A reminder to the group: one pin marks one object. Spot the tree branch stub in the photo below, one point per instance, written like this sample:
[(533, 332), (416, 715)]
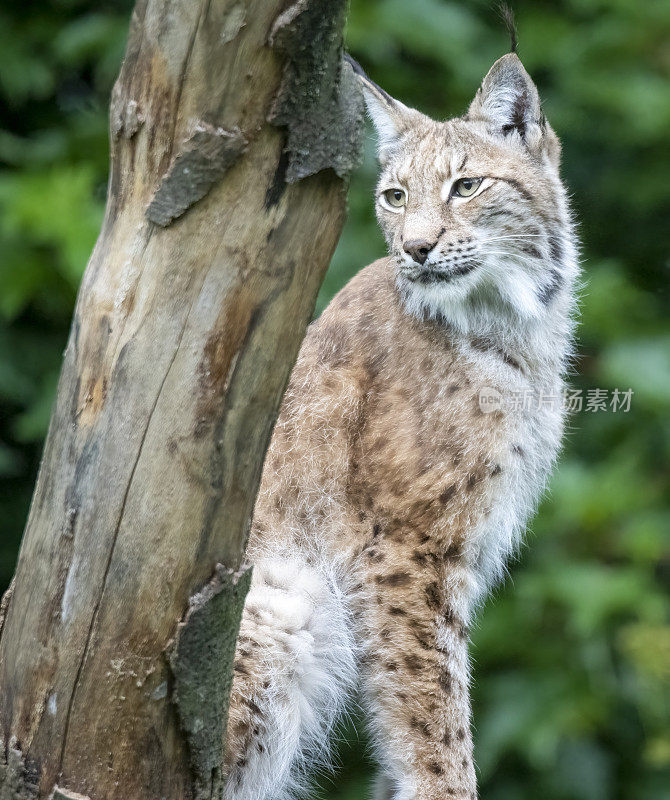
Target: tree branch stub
[(199, 658)]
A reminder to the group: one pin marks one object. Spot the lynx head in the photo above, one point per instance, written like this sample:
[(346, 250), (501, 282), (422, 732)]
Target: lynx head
[(473, 209)]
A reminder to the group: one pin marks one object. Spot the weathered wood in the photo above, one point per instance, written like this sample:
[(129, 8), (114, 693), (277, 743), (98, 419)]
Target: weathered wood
[(189, 318)]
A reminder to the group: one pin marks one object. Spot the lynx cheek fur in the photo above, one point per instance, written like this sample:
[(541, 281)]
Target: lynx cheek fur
[(390, 499)]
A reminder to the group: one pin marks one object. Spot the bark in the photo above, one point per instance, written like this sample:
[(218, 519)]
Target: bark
[(233, 127)]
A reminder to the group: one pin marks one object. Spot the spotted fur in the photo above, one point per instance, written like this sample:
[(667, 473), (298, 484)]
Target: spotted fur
[(390, 500)]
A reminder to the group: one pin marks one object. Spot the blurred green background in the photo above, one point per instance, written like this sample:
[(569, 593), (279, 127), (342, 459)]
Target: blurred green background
[(572, 656)]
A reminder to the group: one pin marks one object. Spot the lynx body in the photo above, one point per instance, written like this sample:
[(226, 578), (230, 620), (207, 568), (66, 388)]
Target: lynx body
[(393, 490)]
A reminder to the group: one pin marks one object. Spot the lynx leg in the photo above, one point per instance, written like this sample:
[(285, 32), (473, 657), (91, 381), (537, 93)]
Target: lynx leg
[(294, 667), (416, 674)]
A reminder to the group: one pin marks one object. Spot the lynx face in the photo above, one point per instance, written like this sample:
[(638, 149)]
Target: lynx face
[(473, 209)]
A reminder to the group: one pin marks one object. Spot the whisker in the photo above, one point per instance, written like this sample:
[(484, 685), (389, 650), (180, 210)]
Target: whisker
[(514, 236), (496, 253)]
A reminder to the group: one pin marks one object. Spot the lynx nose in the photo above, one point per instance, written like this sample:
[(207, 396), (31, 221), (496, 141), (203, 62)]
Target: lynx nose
[(418, 249)]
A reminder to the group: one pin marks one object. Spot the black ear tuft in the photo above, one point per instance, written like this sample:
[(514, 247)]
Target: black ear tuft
[(507, 17)]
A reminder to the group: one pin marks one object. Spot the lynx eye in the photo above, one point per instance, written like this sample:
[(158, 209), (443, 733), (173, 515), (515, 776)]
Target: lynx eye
[(396, 198), (466, 186)]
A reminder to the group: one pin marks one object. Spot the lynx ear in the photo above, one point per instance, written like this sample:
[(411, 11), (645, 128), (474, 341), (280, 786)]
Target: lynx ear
[(508, 100), (390, 117)]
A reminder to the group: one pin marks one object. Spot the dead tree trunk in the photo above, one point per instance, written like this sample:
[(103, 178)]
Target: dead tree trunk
[(233, 127)]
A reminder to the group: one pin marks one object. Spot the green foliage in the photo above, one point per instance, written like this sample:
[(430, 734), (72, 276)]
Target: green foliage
[(572, 655)]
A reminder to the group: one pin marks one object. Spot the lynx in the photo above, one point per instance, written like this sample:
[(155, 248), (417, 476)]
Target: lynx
[(403, 469)]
